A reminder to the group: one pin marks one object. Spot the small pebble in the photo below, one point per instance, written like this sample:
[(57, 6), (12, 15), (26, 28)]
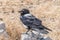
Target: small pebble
[(2, 27)]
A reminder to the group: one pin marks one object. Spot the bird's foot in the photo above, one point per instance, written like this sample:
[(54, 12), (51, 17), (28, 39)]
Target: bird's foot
[(25, 33)]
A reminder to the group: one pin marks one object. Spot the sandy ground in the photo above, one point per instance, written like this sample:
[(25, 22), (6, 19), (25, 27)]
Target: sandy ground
[(46, 10)]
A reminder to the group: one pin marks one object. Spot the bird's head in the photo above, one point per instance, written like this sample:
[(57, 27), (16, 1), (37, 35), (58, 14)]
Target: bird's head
[(24, 11)]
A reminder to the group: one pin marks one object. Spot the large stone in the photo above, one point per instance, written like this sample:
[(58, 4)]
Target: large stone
[(32, 36)]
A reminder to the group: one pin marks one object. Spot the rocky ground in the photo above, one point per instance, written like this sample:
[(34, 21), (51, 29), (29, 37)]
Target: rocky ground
[(46, 10)]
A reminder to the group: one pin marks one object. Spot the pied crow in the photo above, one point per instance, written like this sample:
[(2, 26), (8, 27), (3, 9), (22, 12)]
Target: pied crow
[(30, 21)]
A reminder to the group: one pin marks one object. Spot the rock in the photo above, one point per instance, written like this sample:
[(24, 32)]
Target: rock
[(47, 38), (2, 27), (3, 30), (24, 36), (32, 36)]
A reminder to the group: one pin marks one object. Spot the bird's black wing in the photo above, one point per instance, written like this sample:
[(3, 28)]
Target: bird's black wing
[(38, 24), (31, 21)]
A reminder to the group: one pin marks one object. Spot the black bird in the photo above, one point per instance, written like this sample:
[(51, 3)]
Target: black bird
[(30, 21)]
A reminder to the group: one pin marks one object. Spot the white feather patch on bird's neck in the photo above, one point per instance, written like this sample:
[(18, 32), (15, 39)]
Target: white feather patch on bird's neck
[(27, 15)]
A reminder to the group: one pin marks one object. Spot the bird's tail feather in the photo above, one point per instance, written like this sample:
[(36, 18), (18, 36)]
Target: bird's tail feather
[(47, 29), (43, 27)]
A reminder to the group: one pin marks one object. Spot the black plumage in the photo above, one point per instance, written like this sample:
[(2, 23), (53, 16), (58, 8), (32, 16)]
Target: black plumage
[(30, 21)]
